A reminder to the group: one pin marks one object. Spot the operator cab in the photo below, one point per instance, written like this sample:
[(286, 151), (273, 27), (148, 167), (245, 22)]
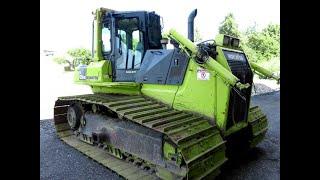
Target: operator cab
[(125, 38)]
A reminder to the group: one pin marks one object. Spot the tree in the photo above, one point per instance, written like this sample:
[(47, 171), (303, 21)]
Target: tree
[(266, 43), (74, 57), (259, 46), (79, 55), (273, 30), (229, 26)]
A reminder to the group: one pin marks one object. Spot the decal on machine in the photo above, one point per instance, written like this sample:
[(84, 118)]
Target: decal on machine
[(131, 72), (203, 74), (82, 72), (81, 77), (92, 77)]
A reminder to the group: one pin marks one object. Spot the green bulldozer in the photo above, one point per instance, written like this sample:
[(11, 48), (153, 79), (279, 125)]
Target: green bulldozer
[(157, 112)]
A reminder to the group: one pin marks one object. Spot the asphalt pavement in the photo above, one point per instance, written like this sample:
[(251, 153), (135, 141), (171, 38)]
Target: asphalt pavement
[(60, 161)]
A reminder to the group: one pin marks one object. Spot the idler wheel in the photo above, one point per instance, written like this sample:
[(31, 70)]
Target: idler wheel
[(74, 115)]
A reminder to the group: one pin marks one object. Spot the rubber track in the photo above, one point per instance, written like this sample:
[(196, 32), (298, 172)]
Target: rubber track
[(188, 131)]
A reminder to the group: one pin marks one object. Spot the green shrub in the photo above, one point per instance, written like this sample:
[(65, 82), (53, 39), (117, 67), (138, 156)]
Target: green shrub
[(60, 59), (80, 55), (75, 57)]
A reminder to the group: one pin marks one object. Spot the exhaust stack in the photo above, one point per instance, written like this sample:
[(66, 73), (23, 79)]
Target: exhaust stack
[(192, 15)]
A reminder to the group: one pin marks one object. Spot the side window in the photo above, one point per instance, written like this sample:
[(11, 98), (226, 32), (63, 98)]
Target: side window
[(138, 49), (121, 40), (106, 38)]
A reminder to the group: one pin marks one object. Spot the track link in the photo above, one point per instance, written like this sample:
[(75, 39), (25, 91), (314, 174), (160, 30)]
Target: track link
[(121, 167), (200, 143), (258, 124)]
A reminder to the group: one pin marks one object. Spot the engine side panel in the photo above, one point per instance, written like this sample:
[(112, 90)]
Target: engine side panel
[(203, 92), (155, 66), (163, 67), (178, 67)]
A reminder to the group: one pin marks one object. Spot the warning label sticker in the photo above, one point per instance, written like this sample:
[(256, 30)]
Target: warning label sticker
[(202, 74)]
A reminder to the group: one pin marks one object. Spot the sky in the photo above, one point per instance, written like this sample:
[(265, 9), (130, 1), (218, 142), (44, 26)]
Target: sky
[(67, 24)]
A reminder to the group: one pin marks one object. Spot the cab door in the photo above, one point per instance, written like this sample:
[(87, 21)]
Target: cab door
[(129, 46)]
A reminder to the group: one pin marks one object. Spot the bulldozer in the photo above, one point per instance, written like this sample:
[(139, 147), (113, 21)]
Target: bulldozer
[(157, 112)]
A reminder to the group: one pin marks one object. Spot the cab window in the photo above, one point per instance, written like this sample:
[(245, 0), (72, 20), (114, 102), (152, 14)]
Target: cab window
[(106, 38), (129, 42)]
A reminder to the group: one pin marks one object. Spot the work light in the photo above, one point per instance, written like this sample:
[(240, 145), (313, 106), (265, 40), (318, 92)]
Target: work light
[(235, 42), (226, 40)]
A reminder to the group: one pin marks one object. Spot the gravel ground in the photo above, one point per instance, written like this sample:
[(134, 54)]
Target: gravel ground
[(59, 161), (262, 86)]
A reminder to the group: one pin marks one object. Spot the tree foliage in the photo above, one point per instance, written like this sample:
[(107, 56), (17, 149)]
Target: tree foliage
[(259, 46), (265, 43), (79, 55), (229, 26), (76, 56)]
